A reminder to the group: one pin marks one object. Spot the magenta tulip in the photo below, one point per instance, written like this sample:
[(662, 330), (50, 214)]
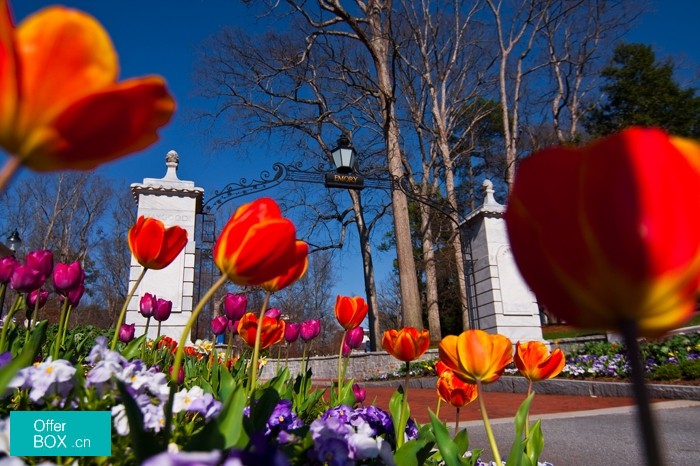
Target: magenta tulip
[(25, 279), (359, 392), (180, 375), (162, 310), (291, 332), (235, 305), (232, 326), (346, 350), (41, 295), (126, 332), (354, 337), (147, 304), (310, 329), (219, 325), (75, 294), (41, 261), (273, 312), (67, 277), (7, 266)]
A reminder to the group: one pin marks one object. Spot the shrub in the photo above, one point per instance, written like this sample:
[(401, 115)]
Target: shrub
[(690, 369), (666, 372)]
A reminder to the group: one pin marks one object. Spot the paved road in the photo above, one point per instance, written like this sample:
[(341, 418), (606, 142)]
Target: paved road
[(607, 436)]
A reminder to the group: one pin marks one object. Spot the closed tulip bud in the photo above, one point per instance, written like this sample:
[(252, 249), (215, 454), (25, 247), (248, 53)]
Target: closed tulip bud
[(257, 244), (310, 329), (41, 295), (273, 312), (535, 362), (232, 326), (40, 260), (75, 295), (67, 277), (219, 324), (350, 312), (354, 337), (359, 392), (291, 333), (7, 266), (153, 245), (180, 375), (25, 279), (162, 310), (235, 305), (346, 350), (126, 332), (407, 344), (148, 304)]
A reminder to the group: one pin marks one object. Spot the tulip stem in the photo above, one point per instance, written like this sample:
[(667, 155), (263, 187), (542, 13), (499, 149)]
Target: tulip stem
[(193, 318), (6, 324), (65, 324), (3, 289), (145, 340), (403, 418), (340, 362), (487, 425), (256, 349), (61, 326), (122, 314), (8, 170), (646, 420), (527, 416), (456, 421)]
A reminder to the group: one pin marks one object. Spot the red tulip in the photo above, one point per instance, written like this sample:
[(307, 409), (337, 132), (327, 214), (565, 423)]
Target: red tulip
[(407, 344), (235, 305), (294, 273), (40, 260), (455, 392), (350, 312), (604, 234), (153, 245), (272, 330), (475, 355), (80, 117), (535, 362), (257, 244)]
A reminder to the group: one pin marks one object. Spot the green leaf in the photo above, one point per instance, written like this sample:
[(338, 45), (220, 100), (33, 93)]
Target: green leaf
[(133, 348), (535, 442), (226, 430), (261, 410), (414, 452), (279, 382), (448, 448), (516, 456), (462, 441), (26, 357)]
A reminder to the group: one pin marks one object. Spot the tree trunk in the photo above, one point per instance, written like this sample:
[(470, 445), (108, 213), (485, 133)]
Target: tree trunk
[(431, 288)]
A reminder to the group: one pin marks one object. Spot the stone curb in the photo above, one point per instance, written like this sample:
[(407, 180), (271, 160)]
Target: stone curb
[(508, 384)]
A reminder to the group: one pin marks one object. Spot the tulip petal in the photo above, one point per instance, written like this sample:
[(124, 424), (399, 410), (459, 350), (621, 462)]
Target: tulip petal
[(148, 240), (8, 75), (70, 47), (101, 127)]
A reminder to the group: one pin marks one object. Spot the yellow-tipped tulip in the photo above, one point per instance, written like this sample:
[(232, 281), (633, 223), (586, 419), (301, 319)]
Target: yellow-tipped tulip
[(475, 355)]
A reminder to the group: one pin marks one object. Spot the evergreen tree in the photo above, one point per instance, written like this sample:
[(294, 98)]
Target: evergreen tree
[(640, 91)]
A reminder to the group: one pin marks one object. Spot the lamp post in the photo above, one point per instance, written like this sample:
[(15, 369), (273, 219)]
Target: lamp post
[(345, 175), (15, 242)]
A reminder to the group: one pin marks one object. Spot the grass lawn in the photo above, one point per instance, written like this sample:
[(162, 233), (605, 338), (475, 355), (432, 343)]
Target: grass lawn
[(554, 332)]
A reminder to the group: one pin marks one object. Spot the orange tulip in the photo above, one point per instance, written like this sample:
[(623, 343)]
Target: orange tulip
[(294, 273), (455, 392), (153, 245), (272, 331), (60, 104), (257, 244), (350, 312), (535, 362), (475, 355), (407, 344), (604, 234)]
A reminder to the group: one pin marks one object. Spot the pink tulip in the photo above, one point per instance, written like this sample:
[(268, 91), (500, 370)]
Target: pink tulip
[(354, 337), (219, 324), (42, 295), (41, 261), (126, 332), (273, 312), (359, 392), (232, 326), (291, 332), (147, 304), (235, 305), (75, 294), (7, 266), (25, 279), (346, 350), (310, 329), (67, 277), (162, 310)]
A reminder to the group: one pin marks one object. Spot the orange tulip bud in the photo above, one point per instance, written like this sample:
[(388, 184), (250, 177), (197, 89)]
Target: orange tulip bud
[(295, 272), (475, 355), (604, 233), (80, 117), (350, 312), (407, 344), (153, 245), (258, 244), (535, 362), (455, 392), (272, 331)]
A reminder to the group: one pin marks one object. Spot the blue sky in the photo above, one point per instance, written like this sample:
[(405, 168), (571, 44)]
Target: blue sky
[(162, 37)]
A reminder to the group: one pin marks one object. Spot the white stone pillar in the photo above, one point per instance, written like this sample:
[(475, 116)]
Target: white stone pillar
[(174, 202), (501, 300)]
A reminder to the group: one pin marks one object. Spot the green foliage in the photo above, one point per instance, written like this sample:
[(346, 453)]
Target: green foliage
[(666, 372), (640, 91), (690, 368)]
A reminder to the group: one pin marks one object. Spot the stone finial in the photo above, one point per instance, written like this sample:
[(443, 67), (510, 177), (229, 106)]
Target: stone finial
[(489, 199), (172, 160)]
